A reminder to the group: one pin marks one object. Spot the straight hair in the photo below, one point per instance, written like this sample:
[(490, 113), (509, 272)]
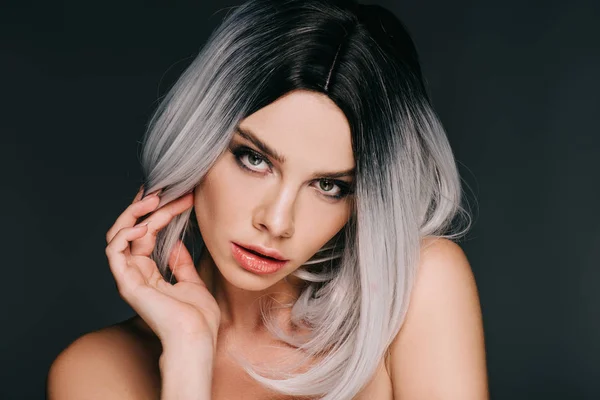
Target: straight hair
[(407, 185)]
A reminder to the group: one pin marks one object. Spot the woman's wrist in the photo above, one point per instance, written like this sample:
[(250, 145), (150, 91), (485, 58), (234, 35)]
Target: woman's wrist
[(186, 373)]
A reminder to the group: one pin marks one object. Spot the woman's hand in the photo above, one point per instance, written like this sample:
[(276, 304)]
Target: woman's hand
[(185, 315)]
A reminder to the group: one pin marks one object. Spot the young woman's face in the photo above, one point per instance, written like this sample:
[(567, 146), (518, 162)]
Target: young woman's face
[(291, 198)]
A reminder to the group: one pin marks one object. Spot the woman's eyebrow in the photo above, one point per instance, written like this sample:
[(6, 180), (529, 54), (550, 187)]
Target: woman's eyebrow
[(265, 148), (250, 136), (334, 175)]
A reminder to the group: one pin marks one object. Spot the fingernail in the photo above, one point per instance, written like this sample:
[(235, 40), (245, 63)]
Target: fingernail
[(152, 195)]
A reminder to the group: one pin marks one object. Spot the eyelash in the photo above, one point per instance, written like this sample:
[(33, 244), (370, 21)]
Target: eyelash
[(241, 151)]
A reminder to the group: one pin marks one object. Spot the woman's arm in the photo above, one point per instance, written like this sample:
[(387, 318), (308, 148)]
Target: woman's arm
[(186, 373), (184, 316), (439, 352)]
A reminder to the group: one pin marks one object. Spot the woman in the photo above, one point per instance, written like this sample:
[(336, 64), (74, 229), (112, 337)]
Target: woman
[(307, 194)]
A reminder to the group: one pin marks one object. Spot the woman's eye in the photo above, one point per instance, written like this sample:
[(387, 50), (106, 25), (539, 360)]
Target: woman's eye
[(250, 160), (332, 189), (326, 185), (254, 160)]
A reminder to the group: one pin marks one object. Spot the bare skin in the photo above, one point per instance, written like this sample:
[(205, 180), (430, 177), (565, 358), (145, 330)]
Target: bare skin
[(252, 198)]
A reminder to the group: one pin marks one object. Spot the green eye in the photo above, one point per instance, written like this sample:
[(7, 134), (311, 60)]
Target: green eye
[(329, 187), (333, 188), (254, 160), (326, 185), (250, 160)]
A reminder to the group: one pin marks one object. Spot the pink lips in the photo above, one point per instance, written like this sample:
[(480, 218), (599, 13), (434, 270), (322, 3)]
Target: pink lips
[(255, 263)]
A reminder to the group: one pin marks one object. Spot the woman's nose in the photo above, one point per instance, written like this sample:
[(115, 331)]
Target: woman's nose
[(276, 213)]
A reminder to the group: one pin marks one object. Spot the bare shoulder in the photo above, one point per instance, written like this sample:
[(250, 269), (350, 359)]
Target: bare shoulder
[(116, 362), (439, 352)]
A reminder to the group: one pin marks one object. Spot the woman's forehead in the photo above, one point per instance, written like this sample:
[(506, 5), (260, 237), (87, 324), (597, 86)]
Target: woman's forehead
[(304, 125)]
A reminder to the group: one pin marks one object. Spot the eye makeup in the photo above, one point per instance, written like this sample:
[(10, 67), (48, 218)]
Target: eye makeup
[(241, 152)]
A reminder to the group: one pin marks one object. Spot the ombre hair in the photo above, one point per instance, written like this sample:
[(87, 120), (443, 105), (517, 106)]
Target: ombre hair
[(407, 186)]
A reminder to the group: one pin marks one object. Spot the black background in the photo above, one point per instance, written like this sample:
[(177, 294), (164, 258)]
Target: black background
[(515, 84)]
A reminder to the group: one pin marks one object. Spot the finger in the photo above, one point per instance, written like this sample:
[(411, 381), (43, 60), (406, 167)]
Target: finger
[(155, 305), (197, 296), (157, 221), (152, 305), (182, 264), (117, 258), (138, 196), (131, 214)]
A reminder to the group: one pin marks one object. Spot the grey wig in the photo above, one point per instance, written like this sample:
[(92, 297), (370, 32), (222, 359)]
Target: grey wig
[(407, 185)]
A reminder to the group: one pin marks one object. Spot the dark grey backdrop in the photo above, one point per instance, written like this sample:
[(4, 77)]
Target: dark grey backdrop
[(515, 83)]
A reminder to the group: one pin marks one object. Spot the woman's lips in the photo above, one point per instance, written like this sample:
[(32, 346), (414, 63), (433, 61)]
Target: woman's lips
[(255, 263)]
